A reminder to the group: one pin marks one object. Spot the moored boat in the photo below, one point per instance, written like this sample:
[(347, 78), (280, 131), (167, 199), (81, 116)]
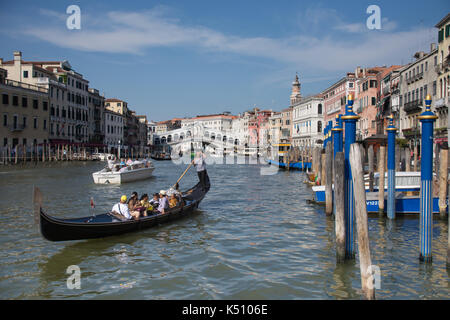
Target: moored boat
[(404, 182), (107, 224), (138, 170)]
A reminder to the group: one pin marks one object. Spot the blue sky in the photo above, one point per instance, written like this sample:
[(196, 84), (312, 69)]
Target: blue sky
[(184, 58)]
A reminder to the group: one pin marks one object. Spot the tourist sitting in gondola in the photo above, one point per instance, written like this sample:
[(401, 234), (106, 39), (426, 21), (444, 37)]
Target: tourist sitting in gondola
[(163, 202), (146, 207), (122, 210), (173, 201), (155, 201)]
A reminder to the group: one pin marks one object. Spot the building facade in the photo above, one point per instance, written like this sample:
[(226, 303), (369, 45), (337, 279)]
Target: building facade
[(416, 81), (443, 80), (308, 122), (25, 113), (335, 97), (114, 123)]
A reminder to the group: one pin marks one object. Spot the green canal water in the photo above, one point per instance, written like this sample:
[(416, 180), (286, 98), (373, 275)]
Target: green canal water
[(254, 237)]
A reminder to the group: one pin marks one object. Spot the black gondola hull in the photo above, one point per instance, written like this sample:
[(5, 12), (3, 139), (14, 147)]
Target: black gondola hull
[(105, 225)]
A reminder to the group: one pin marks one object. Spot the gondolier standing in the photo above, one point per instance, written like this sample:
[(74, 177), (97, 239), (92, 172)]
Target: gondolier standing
[(199, 163)]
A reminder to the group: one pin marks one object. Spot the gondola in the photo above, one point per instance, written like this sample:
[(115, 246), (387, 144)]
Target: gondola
[(107, 224)]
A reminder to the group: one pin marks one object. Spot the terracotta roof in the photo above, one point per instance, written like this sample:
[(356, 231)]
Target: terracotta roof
[(443, 21), (113, 100)]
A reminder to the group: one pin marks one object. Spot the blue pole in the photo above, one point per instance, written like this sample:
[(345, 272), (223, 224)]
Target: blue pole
[(340, 133), (350, 119), (330, 131), (391, 130), (427, 118), (337, 130)]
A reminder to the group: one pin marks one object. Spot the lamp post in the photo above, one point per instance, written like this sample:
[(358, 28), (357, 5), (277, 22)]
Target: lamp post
[(118, 151), (427, 118), (350, 118)]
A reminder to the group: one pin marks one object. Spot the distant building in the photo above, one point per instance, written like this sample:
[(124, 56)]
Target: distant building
[(68, 95), (114, 129), (335, 96), (25, 113), (307, 122)]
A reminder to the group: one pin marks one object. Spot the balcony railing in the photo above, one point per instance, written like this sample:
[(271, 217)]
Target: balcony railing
[(17, 128), (413, 106), (13, 83)]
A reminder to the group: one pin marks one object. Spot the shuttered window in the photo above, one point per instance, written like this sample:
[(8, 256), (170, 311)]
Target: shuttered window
[(441, 35)]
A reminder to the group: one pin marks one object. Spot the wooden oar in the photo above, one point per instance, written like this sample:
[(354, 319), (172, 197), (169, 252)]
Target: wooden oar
[(179, 179)]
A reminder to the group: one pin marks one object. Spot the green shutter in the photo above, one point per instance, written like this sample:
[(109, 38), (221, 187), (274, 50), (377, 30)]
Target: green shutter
[(441, 35), (447, 31)]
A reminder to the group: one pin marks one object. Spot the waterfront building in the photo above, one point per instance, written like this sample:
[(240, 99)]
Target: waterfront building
[(388, 97), (96, 106), (416, 81), (442, 101), (275, 125), (239, 127), (308, 122), (335, 96), (25, 113), (116, 105), (216, 122), (366, 102), (286, 123), (114, 123), (151, 131), (142, 134)]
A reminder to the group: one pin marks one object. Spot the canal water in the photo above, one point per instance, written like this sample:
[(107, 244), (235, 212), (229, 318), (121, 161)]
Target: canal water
[(254, 237)]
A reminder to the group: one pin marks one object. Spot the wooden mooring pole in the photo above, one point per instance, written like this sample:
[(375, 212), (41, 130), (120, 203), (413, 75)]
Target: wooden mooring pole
[(408, 160), (329, 180), (323, 174), (371, 174), (339, 199), (365, 262)]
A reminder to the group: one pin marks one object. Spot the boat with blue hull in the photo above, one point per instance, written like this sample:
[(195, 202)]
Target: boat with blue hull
[(292, 166), (403, 204), (404, 182)]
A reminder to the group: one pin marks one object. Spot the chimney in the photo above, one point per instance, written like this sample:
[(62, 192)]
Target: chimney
[(432, 47), (1, 61), (17, 56)]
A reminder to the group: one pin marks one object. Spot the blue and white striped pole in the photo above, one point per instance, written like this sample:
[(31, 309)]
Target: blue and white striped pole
[(427, 118), (350, 118), (391, 131)]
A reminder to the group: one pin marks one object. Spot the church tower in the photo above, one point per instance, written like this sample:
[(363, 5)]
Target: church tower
[(295, 95)]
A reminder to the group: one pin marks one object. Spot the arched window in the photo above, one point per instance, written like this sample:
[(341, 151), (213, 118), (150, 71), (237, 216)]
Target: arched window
[(319, 108)]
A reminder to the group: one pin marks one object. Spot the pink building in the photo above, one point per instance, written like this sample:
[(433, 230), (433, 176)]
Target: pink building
[(255, 125), (335, 97)]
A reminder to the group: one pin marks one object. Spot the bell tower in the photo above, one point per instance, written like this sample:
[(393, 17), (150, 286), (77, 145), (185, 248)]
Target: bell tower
[(295, 95)]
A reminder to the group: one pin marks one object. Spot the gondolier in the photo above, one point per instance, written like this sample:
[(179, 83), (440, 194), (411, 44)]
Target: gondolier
[(199, 163)]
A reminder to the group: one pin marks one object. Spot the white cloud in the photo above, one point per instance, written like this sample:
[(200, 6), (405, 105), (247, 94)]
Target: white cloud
[(135, 32)]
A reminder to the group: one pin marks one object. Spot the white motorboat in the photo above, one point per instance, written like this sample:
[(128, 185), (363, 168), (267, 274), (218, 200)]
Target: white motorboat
[(137, 170)]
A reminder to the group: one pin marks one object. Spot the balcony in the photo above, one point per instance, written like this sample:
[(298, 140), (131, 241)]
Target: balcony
[(411, 132), (440, 68), (17, 128), (413, 106), (13, 83)]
